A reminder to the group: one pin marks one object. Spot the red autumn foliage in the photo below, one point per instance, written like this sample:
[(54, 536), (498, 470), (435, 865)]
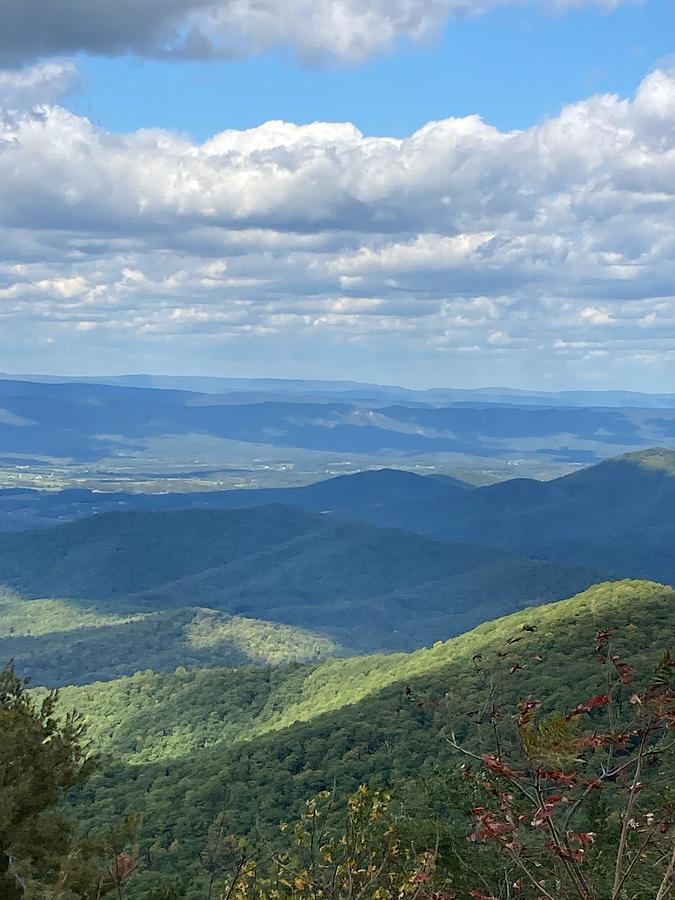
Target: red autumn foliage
[(545, 811), (602, 639), (625, 671), (563, 777), (497, 767), (583, 838), (599, 700)]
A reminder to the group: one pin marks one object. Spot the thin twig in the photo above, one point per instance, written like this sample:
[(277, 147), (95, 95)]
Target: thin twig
[(668, 877)]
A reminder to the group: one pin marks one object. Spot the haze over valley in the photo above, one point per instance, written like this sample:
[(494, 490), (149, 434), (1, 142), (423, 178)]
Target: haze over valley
[(199, 630)]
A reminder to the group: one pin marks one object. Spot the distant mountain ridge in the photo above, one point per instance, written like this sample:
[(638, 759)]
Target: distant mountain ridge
[(327, 388), (84, 421), (619, 513), (372, 496)]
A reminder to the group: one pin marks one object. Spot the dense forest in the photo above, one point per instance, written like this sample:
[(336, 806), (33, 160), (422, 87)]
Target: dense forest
[(245, 749), (364, 587), (60, 642), (222, 729)]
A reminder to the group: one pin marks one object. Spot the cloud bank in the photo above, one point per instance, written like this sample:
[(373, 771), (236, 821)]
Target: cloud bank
[(316, 30), (458, 242)]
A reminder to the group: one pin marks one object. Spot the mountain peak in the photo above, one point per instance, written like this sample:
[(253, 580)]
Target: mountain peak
[(660, 459)]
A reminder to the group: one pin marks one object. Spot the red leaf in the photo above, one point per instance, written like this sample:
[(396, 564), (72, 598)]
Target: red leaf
[(497, 767), (564, 778), (593, 783), (584, 838), (564, 852), (625, 671), (602, 640), (599, 700), (525, 710), (545, 812)]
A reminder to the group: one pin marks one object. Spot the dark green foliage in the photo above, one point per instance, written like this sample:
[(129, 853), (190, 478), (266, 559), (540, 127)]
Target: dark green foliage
[(41, 757), (617, 516), (378, 720), (366, 587)]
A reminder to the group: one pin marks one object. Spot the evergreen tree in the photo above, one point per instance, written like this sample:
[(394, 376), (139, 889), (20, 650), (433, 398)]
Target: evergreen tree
[(41, 757)]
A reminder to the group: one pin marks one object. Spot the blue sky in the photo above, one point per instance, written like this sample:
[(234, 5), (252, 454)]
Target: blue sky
[(386, 190), (512, 67)]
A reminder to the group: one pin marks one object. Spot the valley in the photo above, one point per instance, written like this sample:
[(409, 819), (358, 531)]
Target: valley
[(337, 450), (234, 652), (148, 435)]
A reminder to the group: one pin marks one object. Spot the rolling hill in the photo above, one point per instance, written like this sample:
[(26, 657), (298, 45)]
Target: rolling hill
[(617, 516), (136, 581), (364, 587), (185, 746), (56, 642), (619, 513), (221, 706), (374, 496)]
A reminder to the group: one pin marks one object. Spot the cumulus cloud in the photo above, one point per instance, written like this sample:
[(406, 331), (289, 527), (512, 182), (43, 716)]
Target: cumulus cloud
[(206, 29), (35, 85), (553, 242)]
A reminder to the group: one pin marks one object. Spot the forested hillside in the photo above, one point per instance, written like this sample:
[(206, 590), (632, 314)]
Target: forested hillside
[(57, 642), (620, 514), (120, 592), (375, 496), (217, 645), (364, 587), (187, 746), (615, 518)]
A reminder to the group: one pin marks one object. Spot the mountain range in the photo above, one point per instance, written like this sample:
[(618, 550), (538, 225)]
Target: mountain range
[(357, 585), (381, 560), (90, 422), (616, 517), (355, 390), (234, 652)]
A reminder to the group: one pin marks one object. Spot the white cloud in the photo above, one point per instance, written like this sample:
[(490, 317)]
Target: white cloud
[(595, 316), (44, 83), (206, 29), (499, 338), (456, 238)]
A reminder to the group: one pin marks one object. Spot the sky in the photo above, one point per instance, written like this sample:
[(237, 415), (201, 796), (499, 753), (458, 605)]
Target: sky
[(424, 192)]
